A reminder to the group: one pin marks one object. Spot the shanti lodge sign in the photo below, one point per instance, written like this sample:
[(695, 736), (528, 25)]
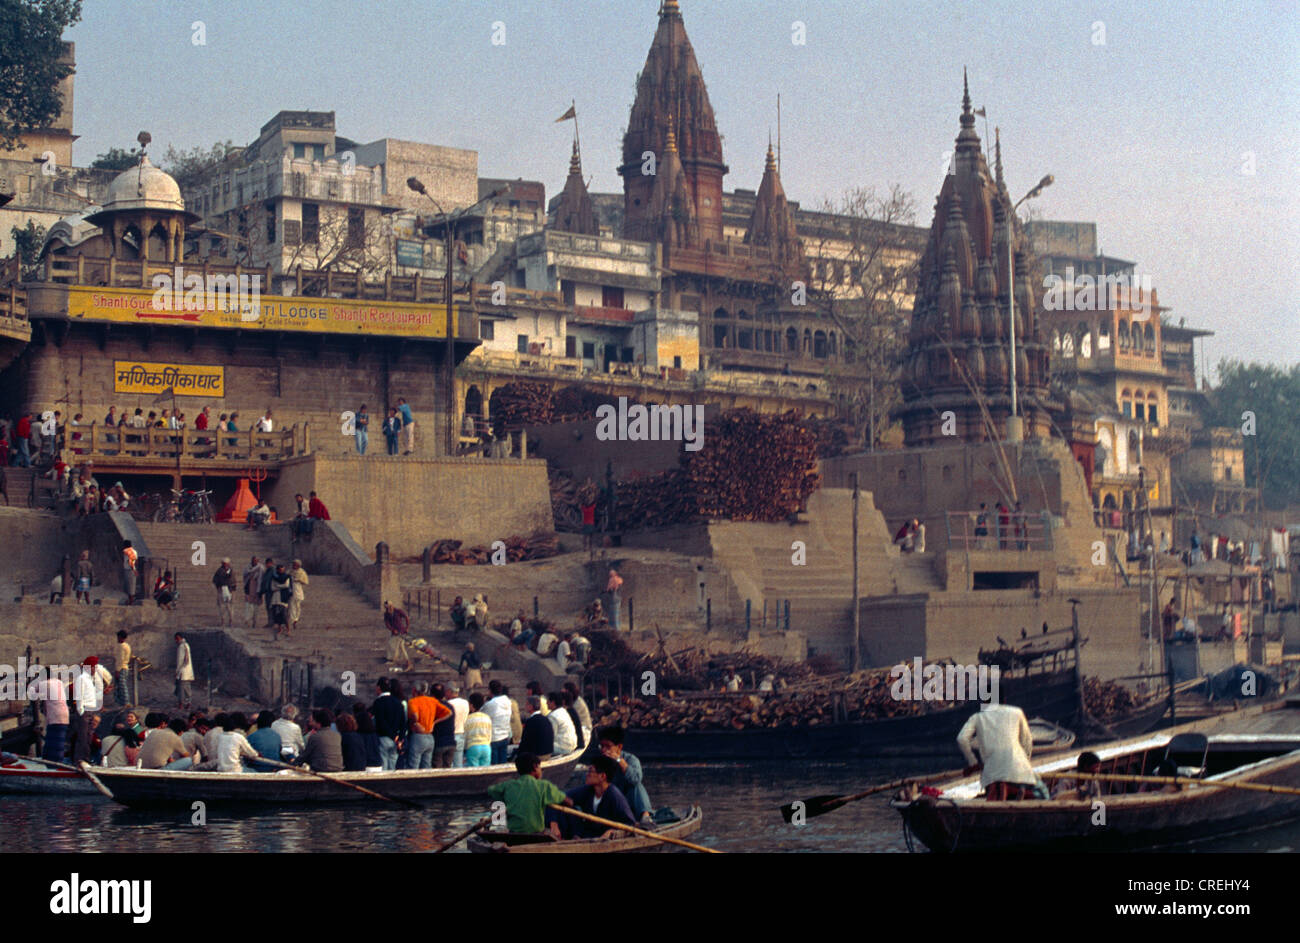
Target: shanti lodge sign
[(187, 379)]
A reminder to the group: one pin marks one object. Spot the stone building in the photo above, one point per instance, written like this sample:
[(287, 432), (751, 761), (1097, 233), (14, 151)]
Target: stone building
[(958, 371)]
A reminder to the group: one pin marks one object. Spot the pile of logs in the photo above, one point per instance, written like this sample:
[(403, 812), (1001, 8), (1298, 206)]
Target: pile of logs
[(832, 437), (517, 404), (1105, 699), (654, 500), (537, 547), (753, 467)]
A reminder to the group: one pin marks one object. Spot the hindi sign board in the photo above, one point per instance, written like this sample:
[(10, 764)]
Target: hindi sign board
[(187, 379), (271, 313)]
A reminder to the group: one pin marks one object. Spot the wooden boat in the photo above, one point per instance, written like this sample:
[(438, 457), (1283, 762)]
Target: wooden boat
[(489, 843), (26, 776), (1052, 696), (959, 819), (1049, 737), (151, 788)]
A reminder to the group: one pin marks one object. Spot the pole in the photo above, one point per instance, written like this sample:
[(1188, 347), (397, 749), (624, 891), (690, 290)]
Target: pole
[(1011, 296), (451, 344), (855, 660)]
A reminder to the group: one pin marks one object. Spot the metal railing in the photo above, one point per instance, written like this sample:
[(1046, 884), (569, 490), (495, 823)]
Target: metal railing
[(1015, 531)]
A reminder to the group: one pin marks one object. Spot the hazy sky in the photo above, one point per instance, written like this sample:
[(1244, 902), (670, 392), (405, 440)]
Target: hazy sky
[(1175, 127)]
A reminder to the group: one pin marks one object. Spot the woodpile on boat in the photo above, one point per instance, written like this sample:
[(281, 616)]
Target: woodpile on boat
[(1107, 699), (537, 547)]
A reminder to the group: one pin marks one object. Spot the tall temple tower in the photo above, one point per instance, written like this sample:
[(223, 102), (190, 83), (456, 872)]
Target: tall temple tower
[(959, 352), (574, 211), (671, 99)]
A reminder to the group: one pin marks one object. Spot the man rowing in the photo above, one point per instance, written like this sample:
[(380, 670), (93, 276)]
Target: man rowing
[(527, 796), (1001, 734)]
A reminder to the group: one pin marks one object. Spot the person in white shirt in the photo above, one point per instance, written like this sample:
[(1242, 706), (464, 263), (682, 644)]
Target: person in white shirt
[(546, 643), (88, 692), (562, 651), (233, 746), (566, 736), (1001, 734), (460, 710), (265, 424), (291, 739), (498, 709)]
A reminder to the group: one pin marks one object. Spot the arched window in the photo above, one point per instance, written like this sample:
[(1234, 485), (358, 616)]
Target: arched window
[(1103, 336), (819, 345), (792, 341), (745, 339), (807, 341), (1124, 339), (1067, 346), (831, 344), (1056, 342), (1085, 344), (1126, 403), (1150, 333)]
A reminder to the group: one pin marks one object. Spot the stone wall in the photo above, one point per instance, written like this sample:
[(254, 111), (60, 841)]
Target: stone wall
[(309, 379), (412, 502), (67, 634)]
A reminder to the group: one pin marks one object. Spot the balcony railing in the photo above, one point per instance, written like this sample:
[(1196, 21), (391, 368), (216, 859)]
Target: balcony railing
[(1018, 531), (602, 315), (128, 445)]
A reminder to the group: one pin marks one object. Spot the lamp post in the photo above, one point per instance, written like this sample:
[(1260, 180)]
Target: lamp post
[(1015, 430), (449, 221)]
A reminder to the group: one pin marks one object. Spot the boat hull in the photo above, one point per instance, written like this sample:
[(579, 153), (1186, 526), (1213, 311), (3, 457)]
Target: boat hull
[(155, 788), (689, 825), (30, 778), (1112, 822)]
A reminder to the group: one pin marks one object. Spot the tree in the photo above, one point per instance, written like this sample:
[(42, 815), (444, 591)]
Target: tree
[(28, 241), (188, 167), (1261, 399), (116, 159), (31, 44), (863, 271)]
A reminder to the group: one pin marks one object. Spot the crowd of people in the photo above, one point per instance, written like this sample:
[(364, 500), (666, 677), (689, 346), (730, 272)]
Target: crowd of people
[(398, 427)]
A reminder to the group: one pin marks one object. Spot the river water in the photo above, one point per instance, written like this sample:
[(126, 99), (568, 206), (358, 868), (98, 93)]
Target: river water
[(740, 802)]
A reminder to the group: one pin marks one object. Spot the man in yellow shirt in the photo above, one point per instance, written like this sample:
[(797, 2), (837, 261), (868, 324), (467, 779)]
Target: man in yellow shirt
[(123, 669)]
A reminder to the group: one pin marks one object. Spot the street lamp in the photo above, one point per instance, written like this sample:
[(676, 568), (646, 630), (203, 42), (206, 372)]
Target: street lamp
[(449, 222), (1015, 431)]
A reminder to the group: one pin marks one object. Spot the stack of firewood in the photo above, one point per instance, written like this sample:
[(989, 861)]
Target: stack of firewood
[(1105, 699), (537, 547), (518, 404), (753, 467)]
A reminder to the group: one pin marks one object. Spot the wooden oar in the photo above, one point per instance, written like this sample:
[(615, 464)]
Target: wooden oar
[(814, 806), (43, 762), (96, 781), (1172, 780), (339, 782), (635, 831), (478, 827)]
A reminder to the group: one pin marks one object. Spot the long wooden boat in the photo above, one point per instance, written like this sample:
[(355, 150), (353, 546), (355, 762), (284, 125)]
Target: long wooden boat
[(144, 788), (491, 843), (1053, 696), (960, 819), (26, 776)]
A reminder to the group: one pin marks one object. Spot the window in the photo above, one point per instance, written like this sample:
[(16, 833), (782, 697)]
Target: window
[(487, 330), (300, 150), (588, 350), (677, 363), (1139, 411), (611, 297), (521, 343), (270, 227), (292, 232), (356, 227), (1128, 409), (1151, 414), (570, 346), (627, 355), (310, 224)]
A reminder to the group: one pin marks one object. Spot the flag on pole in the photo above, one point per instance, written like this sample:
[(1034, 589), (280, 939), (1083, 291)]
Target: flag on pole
[(165, 396), (571, 113), (983, 113)]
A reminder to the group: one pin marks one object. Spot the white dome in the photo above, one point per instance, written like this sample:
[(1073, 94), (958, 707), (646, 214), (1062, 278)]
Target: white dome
[(144, 187)]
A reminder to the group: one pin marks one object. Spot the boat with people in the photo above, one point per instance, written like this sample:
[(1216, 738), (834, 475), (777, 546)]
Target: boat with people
[(144, 788), (499, 842), (1207, 785)]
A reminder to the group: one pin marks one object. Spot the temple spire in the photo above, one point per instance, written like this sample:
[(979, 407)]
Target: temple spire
[(997, 158)]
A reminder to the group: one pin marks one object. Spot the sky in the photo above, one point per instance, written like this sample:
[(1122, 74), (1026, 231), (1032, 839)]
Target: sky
[(1175, 127)]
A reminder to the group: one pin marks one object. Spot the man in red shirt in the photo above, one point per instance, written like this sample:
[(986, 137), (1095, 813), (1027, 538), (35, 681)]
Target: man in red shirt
[(316, 508), (23, 432)]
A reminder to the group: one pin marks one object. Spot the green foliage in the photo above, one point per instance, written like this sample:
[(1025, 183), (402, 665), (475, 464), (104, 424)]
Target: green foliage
[(28, 241), (116, 159), (1272, 395), (189, 166), (31, 41)]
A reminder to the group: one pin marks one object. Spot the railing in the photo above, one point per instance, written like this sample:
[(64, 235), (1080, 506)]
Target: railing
[(1016, 531), (129, 444), (602, 314)]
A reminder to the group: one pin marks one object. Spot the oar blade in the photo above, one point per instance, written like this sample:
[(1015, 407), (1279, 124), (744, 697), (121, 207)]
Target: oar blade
[(811, 807)]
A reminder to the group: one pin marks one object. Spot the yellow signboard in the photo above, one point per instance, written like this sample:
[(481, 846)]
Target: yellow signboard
[(245, 311), (187, 379)]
